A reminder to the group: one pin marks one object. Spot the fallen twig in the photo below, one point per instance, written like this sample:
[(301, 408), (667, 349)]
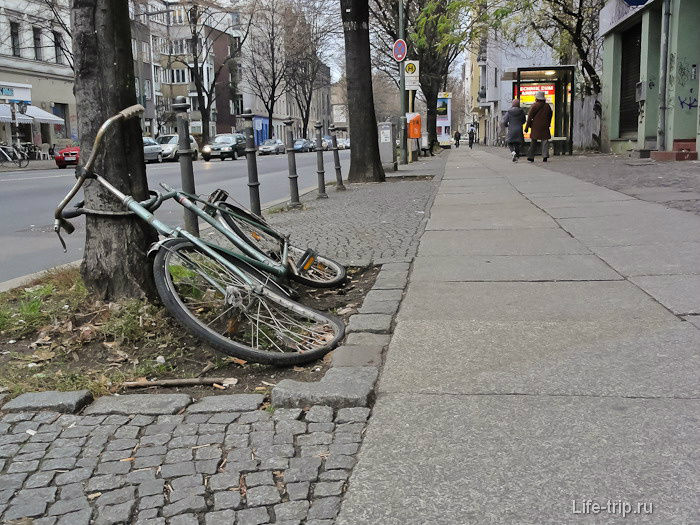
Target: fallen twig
[(174, 382)]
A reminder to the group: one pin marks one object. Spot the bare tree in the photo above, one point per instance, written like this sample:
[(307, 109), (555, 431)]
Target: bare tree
[(209, 24), (365, 163), (265, 63), (310, 33), (114, 263)]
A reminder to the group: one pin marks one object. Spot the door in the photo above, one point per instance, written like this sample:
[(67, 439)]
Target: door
[(629, 76)]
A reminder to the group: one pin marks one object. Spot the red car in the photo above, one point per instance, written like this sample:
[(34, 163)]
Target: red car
[(67, 156)]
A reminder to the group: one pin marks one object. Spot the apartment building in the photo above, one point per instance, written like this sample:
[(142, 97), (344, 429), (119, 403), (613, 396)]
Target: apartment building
[(35, 68)]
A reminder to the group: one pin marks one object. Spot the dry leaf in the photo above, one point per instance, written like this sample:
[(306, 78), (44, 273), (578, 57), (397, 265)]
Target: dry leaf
[(127, 459), (118, 356), (261, 389), (237, 361), (299, 369), (43, 355), (110, 344), (268, 384), (230, 381)]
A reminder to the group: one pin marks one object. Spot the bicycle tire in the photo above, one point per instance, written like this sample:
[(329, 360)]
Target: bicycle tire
[(23, 162), (295, 333), (323, 273)]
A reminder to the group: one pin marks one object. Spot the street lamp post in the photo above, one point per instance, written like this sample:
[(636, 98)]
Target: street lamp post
[(184, 153)]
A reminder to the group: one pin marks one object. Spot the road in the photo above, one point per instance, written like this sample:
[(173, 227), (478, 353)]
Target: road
[(28, 200)]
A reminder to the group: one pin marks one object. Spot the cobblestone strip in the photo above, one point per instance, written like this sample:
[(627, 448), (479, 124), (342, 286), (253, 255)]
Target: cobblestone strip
[(201, 468)]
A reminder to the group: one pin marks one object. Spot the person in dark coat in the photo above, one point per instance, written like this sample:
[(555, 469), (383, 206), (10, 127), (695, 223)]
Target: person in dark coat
[(458, 136), (513, 122), (538, 120), (472, 134)]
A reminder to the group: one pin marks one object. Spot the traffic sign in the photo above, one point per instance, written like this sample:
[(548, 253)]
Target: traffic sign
[(411, 75), (400, 50)]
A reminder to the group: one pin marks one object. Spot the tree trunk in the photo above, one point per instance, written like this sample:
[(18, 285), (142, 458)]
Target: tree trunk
[(365, 164), (430, 91), (270, 128), (114, 263)]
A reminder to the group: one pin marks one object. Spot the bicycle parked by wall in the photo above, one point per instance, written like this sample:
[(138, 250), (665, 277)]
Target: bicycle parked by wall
[(226, 297), (13, 156)]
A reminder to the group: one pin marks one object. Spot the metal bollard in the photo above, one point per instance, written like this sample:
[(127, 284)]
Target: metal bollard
[(403, 141), (184, 153), (319, 163), (336, 157), (292, 166), (252, 161)]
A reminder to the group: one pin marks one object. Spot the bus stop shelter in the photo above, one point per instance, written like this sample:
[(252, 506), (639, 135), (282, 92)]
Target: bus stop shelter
[(557, 83)]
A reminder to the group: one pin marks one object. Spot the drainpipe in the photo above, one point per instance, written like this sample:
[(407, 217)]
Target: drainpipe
[(663, 72)]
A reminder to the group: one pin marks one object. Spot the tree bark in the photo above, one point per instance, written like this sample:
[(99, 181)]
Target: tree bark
[(365, 163), (114, 262), (430, 91)]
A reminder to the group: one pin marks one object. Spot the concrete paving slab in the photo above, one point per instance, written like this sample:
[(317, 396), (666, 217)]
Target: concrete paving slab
[(500, 242), (488, 217), (595, 358), (694, 320), (512, 268), (604, 209), (678, 293), (548, 202), (462, 199), (523, 459), (477, 184), (499, 301), (633, 229), (652, 259)]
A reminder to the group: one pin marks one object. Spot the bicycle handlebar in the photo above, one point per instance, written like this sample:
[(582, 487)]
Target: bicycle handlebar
[(60, 223)]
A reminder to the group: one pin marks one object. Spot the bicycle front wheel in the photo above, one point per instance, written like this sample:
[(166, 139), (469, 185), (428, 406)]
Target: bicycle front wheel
[(22, 162), (323, 272), (253, 323)]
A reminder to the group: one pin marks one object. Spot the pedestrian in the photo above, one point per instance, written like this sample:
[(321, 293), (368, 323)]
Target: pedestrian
[(458, 136), (472, 134), (513, 122), (538, 120)]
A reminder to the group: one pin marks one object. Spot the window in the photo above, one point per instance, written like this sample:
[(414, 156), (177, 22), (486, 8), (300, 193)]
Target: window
[(238, 105), (14, 37), (58, 47), (177, 16), (495, 77), (37, 42), (194, 104), (134, 49), (144, 52), (147, 89), (157, 74), (179, 76), (235, 19)]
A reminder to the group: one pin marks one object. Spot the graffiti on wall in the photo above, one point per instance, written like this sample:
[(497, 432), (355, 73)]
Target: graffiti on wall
[(690, 101)]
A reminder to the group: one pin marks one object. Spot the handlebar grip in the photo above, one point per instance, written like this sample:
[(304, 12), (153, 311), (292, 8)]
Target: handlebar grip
[(132, 111), (72, 213), (66, 226)]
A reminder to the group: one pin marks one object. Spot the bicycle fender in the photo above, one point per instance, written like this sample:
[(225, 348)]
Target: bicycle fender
[(153, 249)]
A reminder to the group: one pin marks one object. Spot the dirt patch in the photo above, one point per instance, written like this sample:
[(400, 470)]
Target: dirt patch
[(54, 337)]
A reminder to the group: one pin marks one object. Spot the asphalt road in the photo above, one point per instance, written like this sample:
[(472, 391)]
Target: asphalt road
[(28, 199)]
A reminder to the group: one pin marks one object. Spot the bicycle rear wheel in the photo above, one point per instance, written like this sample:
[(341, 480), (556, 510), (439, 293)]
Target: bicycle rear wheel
[(252, 323), (22, 162), (322, 273)]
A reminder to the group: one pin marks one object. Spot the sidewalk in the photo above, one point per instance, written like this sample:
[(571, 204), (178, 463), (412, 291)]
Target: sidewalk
[(545, 354)]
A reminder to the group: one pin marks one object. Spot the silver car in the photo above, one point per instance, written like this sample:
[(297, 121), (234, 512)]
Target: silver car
[(271, 146), (152, 151), (169, 145)]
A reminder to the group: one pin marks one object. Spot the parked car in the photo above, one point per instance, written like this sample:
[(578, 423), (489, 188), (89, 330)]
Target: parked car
[(271, 146), (169, 145), (225, 145), (303, 145), (327, 142), (67, 157), (152, 151)]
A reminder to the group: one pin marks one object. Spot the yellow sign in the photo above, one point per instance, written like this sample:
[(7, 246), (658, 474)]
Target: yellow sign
[(527, 99), (410, 68)]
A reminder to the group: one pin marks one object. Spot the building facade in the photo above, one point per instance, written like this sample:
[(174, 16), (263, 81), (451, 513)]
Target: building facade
[(633, 70), (35, 52)]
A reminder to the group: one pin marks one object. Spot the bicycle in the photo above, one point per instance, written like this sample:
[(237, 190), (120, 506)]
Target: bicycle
[(12, 154), (218, 294)]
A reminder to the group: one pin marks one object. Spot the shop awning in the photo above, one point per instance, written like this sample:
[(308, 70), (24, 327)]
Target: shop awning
[(6, 115), (43, 117)]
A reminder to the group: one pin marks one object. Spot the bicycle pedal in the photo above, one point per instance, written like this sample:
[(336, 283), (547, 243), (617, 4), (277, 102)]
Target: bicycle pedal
[(307, 260), (218, 195)]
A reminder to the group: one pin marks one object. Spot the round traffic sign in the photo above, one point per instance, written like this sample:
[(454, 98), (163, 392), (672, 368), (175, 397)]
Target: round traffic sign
[(400, 50), (410, 68)]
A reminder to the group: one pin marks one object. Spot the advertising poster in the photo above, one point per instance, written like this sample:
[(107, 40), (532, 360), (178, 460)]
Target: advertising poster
[(444, 118), (527, 99)]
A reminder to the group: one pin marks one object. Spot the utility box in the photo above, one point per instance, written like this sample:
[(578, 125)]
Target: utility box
[(387, 145)]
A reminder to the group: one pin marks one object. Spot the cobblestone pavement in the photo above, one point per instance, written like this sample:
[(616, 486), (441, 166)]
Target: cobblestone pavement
[(368, 223), (197, 468), (675, 184)]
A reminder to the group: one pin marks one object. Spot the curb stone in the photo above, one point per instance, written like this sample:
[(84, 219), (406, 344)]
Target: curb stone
[(66, 402), (369, 332)]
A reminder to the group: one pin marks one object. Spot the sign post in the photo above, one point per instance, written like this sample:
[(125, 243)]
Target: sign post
[(402, 89)]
